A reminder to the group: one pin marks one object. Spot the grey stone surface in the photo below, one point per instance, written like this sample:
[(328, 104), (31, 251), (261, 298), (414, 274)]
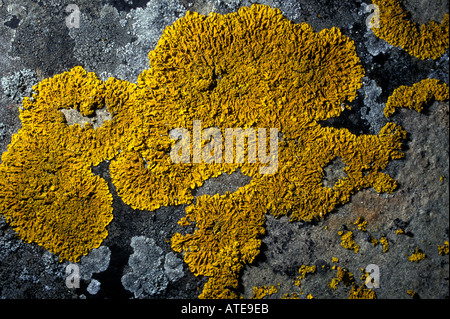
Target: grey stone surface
[(135, 260), (372, 111), (173, 267), (93, 287), (146, 277), (96, 261), (19, 84)]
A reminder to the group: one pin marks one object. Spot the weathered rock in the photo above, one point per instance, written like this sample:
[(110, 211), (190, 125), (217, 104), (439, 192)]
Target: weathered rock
[(136, 261)]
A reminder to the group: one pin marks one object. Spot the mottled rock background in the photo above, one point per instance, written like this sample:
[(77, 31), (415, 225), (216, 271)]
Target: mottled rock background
[(113, 39)]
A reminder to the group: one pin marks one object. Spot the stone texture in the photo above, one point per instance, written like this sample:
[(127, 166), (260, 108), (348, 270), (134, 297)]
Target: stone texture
[(114, 39)]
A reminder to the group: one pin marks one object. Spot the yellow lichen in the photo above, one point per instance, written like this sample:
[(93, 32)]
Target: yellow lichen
[(263, 291), (443, 249), (227, 234), (248, 69), (306, 270), (364, 274), (430, 40), (416, 96), (417, 256), (361, 223), (411, 293), (342, 275), (399, 231), (348, 241), (373, 240), (302, 273), (49, 194), (294, 295), (384, 242), (361, 293)]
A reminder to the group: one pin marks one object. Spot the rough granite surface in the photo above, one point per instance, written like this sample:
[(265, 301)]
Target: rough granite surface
[(135, 260)]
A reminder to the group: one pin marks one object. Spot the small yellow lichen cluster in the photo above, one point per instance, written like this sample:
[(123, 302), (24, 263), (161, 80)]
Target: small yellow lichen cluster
[(293, 295), (348, 241), (342, 275), (417, 256), (361, 293), (416, 96), (263, 291), (427, 41), (373, 241), (364, 275), (443, 249), (302, 273), (412, 293), (347, 278), (384, 242), (361, 223)]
